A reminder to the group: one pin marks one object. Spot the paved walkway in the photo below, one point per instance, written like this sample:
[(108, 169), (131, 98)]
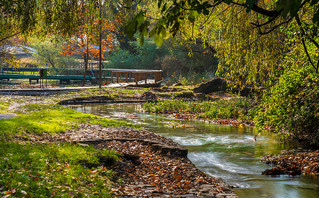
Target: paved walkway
[(7, 115), (49, 91)]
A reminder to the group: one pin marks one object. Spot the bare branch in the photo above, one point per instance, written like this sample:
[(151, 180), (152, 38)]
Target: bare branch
[(303, 35)]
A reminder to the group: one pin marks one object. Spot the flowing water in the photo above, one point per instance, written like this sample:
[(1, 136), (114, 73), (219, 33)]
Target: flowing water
[(220, 151)]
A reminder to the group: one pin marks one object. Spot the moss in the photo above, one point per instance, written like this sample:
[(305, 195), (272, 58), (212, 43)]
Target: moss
[(184, 94)]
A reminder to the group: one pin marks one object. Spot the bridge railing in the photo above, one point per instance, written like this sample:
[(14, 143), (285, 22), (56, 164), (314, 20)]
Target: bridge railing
[(118, 75), (50, 71), (69, 72), (17, 70)]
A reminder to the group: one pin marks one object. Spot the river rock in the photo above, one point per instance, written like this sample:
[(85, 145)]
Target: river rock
[(218, 84)]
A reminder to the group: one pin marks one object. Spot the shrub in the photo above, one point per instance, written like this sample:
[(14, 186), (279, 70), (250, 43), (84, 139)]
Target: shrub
[(146, 57), (189, 79), (171, 64), (123, 59), (291, 107)]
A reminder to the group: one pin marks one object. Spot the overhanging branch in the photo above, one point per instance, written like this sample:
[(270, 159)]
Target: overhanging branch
[(7, 37), (303, 35), (269, 13)]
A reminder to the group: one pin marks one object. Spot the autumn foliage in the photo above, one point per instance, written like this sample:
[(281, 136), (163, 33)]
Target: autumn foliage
[(78, 45)]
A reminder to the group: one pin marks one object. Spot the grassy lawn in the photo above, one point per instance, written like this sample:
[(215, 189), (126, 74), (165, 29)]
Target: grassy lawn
[(31, 169), (54, 170), (51, 118)]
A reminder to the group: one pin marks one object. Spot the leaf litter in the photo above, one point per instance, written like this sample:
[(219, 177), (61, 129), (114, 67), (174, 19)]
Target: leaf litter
[(142, 170)]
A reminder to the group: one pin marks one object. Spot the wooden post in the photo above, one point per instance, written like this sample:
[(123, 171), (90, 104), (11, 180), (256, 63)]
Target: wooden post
[(111, 74), (117, 77), (158, 76), (145, 75), (136, 78)]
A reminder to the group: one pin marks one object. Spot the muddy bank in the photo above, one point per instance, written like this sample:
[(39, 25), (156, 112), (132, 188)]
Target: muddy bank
[(147, 168)]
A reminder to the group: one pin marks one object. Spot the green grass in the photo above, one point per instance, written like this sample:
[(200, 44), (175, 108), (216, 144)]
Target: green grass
[(3, 108), (51, 119), (4, 104), (52, 170), (183, 94), (235, 108)]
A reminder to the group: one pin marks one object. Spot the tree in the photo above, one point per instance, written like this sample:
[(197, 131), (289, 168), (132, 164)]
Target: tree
[(78, 45), (40, 17), (244, 33), (48, 53)]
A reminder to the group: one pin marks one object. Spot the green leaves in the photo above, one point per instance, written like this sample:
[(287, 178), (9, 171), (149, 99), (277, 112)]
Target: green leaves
[(133, 25), (172, 16), (137, 24), (249, 4), (288, 7), (143, 31), (193, 14), (158, 40), (291, 106)]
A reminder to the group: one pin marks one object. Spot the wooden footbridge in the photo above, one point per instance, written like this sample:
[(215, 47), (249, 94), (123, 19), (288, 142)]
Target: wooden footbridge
[(65, 75)]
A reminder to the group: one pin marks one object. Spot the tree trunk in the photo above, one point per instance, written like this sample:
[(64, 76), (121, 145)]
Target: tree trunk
[(86, 63)]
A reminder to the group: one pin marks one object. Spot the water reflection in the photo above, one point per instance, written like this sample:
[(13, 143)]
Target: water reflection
[(221, 151)]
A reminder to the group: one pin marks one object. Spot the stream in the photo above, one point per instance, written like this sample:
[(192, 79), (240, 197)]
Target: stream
[(220, 151)]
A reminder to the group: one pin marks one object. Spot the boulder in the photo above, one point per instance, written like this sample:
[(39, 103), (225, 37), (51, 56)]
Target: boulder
[(218, 84), (149, 96)]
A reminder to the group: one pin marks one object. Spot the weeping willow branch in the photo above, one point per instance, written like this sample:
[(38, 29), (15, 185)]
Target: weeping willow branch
[(303, 35), (7, 37)]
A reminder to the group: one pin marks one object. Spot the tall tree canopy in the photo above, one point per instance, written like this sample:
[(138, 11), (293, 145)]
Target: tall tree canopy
[(254, 39), (39, 16)]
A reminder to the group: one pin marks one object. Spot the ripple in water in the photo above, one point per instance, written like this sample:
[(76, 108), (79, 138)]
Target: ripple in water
[(198, 140)]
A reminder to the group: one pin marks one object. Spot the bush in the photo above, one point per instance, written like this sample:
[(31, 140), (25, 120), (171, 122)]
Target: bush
[(189, 79), (291, 107), (146, 57), (123, 59), (171, 64)]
